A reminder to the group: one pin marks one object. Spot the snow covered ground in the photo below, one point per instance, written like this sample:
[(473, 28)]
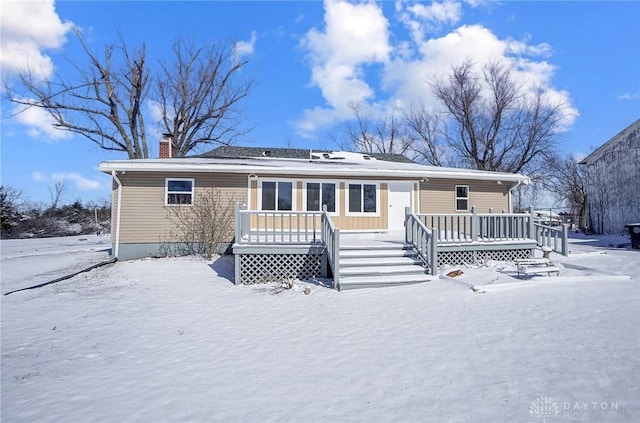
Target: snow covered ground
[(33, 261), (173, 340)]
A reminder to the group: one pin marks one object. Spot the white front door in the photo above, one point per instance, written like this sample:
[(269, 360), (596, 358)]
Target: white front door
[(400, 195)]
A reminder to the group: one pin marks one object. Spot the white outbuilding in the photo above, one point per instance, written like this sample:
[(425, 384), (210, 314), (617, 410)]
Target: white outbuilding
[(613, 182)]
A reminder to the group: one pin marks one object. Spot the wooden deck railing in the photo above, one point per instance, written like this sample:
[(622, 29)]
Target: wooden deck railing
[(504, 226), (288, 227), (253, 226), (494, 227), (471, 227), (331, 239), (450, 227), (553, 237), (423, 240)]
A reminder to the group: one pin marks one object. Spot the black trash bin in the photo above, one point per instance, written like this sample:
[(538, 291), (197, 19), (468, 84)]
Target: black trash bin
[(634, 231)]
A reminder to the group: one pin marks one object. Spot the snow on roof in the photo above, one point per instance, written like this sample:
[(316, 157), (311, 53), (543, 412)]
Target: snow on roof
[(236, 152), (547, 213), (279, 166)]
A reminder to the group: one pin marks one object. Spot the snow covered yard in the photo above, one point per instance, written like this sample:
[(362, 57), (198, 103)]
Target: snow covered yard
[(173, 340)]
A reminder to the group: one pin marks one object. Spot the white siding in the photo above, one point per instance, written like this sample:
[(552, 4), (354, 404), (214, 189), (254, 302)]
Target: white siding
[(613, 185)]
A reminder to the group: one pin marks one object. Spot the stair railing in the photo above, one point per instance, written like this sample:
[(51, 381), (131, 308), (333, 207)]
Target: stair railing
[(423, 240), (331, 241), (553, 237)]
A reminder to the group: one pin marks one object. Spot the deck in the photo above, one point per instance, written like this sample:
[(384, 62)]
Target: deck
[(276, 245)]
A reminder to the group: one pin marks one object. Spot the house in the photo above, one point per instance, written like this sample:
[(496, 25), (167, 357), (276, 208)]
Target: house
[(300, 212), (613, 182), (548, 217)]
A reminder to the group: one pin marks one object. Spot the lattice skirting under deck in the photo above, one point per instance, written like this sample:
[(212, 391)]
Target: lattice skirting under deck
[(460, 257), (264, 268)]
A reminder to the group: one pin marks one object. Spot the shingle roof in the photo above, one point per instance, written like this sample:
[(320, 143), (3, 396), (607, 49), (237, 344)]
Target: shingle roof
[(286, 166), (232, 152)]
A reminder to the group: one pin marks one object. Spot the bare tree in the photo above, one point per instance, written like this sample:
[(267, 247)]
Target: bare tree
[(378, 135), (56, 193), (425, 127), (9, 196), (487, 122), (199, 95), (567, 183), (600, 200), (102, 102), (9, 213), (491, 123), (205, 228)]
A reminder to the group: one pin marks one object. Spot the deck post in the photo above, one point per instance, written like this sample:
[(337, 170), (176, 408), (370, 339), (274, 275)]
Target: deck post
[(433, 253), (532, 229), (565, 239), (491, 224), (323, 236), (236, 280), (474, 224), (407, 212), (336, 260), (323, 266), (238, 235)]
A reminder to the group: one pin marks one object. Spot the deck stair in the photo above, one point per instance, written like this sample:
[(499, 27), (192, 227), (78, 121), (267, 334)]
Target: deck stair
[(377, 265)]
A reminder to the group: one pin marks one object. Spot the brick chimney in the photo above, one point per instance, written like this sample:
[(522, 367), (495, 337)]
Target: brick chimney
[(166, 146)]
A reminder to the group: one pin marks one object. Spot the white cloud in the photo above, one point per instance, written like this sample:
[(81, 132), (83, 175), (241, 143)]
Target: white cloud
[(447, 11), (82, 183), (629, 96), (246, 48), (355, 35), (38, 176), (153, 119), (476, 3), (421, 18), (27, 29), (578, 157), (523, 47), (39, 123), (154, 109), (475, 42)]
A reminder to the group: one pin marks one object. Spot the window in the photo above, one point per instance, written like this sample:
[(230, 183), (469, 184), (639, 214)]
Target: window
[(277, 195), (462, 197), (363, 198), (319, 194), (178, 191)]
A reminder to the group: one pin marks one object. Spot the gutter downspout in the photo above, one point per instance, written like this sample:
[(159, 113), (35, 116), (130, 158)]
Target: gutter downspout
[(116, 248), (511, 194)]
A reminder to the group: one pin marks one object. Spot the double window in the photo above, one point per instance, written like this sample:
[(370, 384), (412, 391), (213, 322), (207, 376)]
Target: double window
[(462, 197), (320, 194), (179, 191), (363, 198), (277, 195)]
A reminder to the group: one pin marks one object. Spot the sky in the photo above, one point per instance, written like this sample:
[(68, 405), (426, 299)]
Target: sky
[(310, 60)]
